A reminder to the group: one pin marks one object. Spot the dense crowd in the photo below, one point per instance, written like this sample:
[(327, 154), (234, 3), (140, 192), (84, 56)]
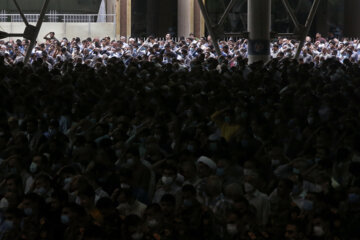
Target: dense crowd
[(142, 147), (96, 52)]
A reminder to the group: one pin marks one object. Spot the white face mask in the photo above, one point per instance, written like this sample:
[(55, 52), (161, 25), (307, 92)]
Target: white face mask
[(318, 231), (275, 162), (137, 235), (33, 167), (231, 228), (167, 180), (152, 223), (248, 187), (40, 191)]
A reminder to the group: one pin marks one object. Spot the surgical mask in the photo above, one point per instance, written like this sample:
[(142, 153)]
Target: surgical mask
[(190, 148), (220, 172), (124, 186), (296, 171), (244, 143), (137, 235), (213, 147), (41, 191), (308, 205), (28, 211), (244, 115), (167, 180), (227, 119), (248, 172), (64, 219), (318, 231), (7, 225), (324, 113), (267, 115), (310, 120), (129, 162), (33, 167), (231, 228), (353, 197), (67, 180), (275, 162), (118, 153), (51, 131), (152, 223), (248, 187), (296, 189), (188, 203)]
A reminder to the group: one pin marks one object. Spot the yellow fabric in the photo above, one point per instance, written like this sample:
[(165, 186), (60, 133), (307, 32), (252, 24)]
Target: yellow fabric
[(97, 216), (227, 130)]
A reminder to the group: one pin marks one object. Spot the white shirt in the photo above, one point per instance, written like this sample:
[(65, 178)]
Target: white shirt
[(261, 203)]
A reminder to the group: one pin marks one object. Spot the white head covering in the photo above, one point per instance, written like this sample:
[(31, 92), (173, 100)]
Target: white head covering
[(207, 161)]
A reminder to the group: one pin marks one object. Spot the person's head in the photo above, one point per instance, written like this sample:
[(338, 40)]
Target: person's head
[(232, 222), (205, 167), (32, 204), (233, 191), (71, 213), (188, 193), (107, 207), (42, 184), (13, 183), (292, 231), (168, 174), (153, 216), (58, 199), (12, 218), (213, 186), (87, 197), (188, 170), (31, 126), (284, 187), (319, 226), (39, 163), (168, 203), (133, 227)]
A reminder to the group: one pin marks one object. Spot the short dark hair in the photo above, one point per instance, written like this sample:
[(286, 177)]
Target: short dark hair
[(168, 198)]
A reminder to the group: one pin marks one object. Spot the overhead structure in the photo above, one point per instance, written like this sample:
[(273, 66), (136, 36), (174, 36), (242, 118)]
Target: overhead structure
[(31, 32), (301, 31), (259, 21), (259, 25)]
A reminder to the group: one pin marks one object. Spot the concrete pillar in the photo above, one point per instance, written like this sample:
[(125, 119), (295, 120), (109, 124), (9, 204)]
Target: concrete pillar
[(190, 19), (117, 23), (351, 18), (123, 18), (259, 20), (199, 22), (185, 17), (110, 9)]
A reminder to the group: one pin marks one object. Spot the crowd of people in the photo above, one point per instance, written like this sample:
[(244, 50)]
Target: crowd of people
[(103, 140), (96, 52)]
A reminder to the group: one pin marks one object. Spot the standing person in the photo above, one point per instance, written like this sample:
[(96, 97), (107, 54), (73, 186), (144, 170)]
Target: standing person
[(50, 36)]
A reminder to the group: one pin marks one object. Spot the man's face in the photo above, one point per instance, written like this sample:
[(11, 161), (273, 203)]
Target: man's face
[(11, 185), (291, 232), (30, 127)]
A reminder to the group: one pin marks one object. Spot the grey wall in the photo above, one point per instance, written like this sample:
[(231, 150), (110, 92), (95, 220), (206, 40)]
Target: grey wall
[(62, 6)]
